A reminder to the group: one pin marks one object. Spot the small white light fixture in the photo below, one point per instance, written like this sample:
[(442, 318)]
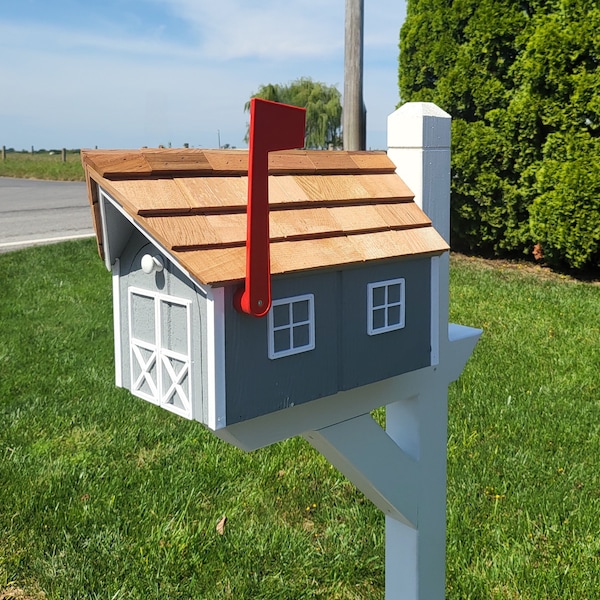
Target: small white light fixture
[(150, 264)]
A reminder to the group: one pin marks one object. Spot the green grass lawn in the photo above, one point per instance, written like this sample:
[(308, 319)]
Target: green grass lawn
[(43, 166), (105, 496)]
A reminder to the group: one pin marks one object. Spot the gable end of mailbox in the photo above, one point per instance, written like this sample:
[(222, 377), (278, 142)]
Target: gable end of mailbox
[(168, 328)]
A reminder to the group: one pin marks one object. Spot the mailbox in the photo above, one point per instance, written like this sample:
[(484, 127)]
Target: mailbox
[(351, 267), (273, 292)]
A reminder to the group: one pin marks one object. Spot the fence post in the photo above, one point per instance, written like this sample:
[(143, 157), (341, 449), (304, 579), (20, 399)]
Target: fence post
[(3, 153), (64, 155)]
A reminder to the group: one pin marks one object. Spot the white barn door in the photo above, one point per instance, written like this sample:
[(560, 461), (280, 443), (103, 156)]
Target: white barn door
[(160, 349)]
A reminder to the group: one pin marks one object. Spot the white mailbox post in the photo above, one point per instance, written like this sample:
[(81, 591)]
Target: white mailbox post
[(360, 278), (404, 470)]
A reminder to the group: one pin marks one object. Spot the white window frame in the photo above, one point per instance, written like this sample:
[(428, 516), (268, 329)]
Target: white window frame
[(371, 308), (160, 356), (272, 329)]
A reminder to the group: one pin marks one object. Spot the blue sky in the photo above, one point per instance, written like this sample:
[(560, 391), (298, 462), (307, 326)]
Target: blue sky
[(131, 73)]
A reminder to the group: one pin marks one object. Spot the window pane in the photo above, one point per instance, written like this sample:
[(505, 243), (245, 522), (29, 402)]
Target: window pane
[(393, 315), (393, 293), (290, 326), (281, 340), (281, 315), (379, 296), (300, 311), (379, 318), (301, 336)]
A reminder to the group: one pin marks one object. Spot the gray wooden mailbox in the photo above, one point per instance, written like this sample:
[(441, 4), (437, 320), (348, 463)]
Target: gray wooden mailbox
[(352, 284), (359, 264)]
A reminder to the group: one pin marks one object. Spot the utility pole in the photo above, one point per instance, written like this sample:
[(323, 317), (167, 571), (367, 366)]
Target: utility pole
[(354, 112)]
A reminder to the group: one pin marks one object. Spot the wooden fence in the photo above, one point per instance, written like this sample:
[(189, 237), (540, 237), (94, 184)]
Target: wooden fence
[(63, 153)]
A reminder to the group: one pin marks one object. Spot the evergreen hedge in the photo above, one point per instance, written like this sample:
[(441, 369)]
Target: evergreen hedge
[(522, 83)]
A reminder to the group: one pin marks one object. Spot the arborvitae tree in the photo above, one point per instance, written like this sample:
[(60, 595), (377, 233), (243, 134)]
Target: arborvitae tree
[(323, 108), (522, 83)]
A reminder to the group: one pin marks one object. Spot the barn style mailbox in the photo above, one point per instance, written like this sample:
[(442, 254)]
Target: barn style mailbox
[(269, 293), (351, 266)]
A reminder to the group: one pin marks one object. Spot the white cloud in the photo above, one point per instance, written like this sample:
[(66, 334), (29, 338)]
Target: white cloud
[(52, 39), (104, 84), (273, 30)]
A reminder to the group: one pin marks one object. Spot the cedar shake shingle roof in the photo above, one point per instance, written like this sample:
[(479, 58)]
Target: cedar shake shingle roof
[(327, 208)]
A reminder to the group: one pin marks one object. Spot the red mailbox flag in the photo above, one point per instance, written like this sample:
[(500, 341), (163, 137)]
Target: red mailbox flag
[(273, 126)]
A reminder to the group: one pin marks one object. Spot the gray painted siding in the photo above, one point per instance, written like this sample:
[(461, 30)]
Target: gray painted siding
[(368, 358), (257, 385), (341, 360)]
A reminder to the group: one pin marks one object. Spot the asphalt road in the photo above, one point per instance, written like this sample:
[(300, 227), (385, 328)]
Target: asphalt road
[(36, 212)]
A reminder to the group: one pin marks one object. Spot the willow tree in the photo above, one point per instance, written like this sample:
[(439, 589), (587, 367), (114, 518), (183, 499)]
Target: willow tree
[(323, 108), (521, 81)]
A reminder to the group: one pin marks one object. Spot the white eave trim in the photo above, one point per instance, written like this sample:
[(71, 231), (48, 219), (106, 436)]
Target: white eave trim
[(105, 196), (116, 275)]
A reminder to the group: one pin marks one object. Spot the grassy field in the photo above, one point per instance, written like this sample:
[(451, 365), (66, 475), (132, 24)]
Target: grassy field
[(42, 166), (103, 496)]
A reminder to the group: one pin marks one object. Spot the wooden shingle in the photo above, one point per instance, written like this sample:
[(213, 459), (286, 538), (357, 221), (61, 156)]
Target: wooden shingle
[(326, 208)]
